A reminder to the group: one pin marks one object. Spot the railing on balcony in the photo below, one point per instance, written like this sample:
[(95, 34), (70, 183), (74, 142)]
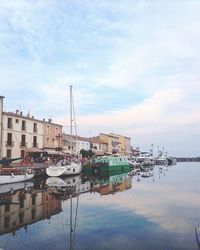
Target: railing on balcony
[(35, 145), (9, 143), (23, 144)]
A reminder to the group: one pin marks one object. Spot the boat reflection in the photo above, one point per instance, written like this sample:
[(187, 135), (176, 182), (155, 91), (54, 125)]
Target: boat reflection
[(110, 184), (22, 204)]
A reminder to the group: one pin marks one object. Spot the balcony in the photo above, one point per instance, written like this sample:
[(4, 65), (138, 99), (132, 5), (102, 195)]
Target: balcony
[(10, 144), (35, 145), (23, 144)]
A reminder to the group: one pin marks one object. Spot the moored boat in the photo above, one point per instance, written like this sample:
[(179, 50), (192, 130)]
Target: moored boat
[(107, 164), (11, 175), (71, 166)]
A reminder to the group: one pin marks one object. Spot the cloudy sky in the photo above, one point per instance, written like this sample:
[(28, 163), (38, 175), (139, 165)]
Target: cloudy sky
[(134, 67)]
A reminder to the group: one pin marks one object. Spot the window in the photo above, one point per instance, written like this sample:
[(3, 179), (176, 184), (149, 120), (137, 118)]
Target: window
[(17, 121), (7, 208), (9, 122), (9, 153), (23, 125), (7, 222), (23, 140), (21, 202), (48, 130), (22, 153), (21, 218), (33, 199), (9, 139), (35, 127), (47, 141), (34, 141)]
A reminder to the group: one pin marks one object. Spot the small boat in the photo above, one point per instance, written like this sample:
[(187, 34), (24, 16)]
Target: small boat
[(73, 165), (70, 181), (9, 174), (57, 170), (146, 174)]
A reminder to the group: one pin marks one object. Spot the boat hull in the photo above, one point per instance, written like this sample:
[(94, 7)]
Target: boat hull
[(5, 179), (56, 171)]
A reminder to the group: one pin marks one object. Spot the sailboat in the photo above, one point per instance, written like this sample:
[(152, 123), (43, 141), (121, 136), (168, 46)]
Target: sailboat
[(71, 166)]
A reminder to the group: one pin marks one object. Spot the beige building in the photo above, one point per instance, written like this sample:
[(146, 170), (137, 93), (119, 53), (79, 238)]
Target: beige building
[(117, 144), (124, 145), (112, 142), (20, 134), (1, 123), (98, 146)]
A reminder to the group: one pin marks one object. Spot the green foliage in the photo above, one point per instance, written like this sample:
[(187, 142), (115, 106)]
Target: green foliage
[(86, 153)]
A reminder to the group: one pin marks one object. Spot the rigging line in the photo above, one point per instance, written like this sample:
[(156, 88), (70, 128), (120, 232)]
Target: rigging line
[(71, 222), (75, 221)]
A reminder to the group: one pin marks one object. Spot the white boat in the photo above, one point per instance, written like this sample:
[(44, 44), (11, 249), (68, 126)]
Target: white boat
[(147, 174), (72, 181), (71, 166), (11, 175), (69, 169), (145, 159)]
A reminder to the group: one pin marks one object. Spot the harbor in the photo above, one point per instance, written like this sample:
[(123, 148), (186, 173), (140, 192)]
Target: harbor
[(157, 212), (99, 125)]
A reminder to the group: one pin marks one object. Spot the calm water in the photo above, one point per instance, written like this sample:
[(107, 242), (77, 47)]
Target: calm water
[(118, 212)]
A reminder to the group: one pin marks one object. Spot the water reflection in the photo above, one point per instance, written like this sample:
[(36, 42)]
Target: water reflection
[(22, 204), (113, 211)]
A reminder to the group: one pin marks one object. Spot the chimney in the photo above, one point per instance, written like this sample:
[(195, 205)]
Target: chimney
[(50, 120), (17, 111), (28, 115), (21, 113)]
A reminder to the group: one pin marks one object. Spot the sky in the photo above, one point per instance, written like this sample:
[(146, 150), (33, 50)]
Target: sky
[(134, 66)]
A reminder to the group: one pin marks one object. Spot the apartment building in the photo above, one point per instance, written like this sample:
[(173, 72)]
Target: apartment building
[(74, 144), (112, 142), (124, 144), (117, 144), (20, 134), (98, 146), (1, 122), (52, 136)]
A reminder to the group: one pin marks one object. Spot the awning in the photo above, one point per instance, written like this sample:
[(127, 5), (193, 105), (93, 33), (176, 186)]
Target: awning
[(34, 150)]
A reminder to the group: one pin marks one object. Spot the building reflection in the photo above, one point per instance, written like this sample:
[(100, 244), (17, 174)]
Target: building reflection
[(22, 207), (110, 184), (22, 204)]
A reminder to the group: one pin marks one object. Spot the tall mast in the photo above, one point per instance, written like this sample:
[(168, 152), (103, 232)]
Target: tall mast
[(71, 119)]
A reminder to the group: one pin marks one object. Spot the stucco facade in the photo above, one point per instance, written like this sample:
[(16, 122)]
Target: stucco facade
[(112, 142), (1, 122), (20, 133), (52, 135)]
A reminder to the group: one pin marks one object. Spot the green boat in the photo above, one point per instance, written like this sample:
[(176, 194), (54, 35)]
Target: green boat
[(107, 164)]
